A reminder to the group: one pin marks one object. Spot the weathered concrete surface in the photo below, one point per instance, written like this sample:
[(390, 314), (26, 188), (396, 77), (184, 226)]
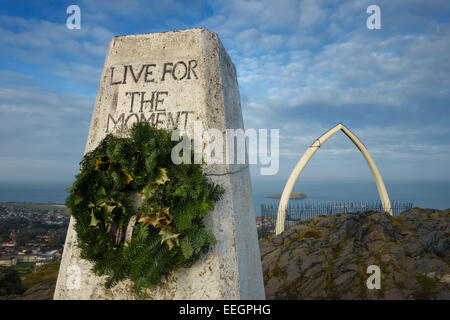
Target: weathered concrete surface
[(203, 87)]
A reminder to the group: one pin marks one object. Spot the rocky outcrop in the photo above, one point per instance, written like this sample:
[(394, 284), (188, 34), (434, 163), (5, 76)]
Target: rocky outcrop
[(38, 284), (10, 282), (41, 291), (326, 257)]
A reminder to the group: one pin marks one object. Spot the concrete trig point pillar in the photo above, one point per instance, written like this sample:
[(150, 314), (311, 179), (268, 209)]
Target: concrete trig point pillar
[(173, 79)]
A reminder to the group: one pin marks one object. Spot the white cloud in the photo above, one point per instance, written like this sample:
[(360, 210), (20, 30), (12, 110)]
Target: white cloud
[(311, 14), (303, 66), (39, 127)]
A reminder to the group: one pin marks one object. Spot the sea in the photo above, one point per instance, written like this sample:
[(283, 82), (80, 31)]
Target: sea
[(424, 194)]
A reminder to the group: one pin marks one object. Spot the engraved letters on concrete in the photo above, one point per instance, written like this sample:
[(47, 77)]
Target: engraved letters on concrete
[(172, 79)]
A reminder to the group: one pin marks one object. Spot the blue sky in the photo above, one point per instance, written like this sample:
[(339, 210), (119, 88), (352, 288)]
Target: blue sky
[(303, 66)]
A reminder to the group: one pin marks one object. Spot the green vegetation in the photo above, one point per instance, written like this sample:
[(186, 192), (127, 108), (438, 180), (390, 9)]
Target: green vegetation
[(24, 265), (441, 213), (168, 233), (10, 282), (327, 274), (310, 234), (49, 272), (399, 224), (278, 272), (427, 286), (18, 279), (369, 224)]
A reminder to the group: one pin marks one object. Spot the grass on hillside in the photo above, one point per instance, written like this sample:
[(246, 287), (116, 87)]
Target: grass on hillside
[(48, 272)]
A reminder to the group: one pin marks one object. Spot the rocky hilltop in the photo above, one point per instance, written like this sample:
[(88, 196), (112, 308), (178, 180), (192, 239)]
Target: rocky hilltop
[(326, 257), (41, 291), (36, 285)]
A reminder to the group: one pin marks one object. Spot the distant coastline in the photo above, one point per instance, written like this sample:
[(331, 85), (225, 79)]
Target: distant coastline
[(33, 206), (294, 196)]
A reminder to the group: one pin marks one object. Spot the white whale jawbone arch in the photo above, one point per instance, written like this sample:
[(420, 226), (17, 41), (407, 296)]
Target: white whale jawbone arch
[(281, 215)]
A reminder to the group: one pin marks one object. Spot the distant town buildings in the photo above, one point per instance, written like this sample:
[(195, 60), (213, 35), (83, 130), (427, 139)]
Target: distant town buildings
[(35, 236), (8, 261), (10, 244)]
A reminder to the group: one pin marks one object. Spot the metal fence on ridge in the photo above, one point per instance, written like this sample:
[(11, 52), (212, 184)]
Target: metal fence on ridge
[(296, 212)]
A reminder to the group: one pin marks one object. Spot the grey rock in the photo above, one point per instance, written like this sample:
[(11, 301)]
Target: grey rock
[(308, 261), (393, 293), (292, 271), (409, 249), (414, 249), (345, 279), (314, 270)]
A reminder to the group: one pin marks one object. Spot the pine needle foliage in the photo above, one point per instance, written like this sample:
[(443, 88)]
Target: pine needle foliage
[(169, 232)]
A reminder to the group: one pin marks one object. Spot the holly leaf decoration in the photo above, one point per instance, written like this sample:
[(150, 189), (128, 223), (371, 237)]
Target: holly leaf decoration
[(163, 176), (103, 164), (168, 237), (94, 220), (151, 220), (128, 177), (166, 215), (101, 191), (148, 191), (160, 219)]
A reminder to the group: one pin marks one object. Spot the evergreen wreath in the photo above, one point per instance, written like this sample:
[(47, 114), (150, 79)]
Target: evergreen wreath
[(165, 232)]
